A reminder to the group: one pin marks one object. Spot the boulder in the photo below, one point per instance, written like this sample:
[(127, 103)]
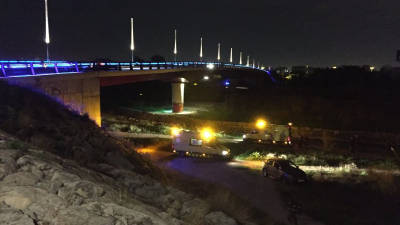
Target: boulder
[(81, 216), (8, 164), (20, 179), (218, 218), (11, 216), (194, 211), (151, 192)]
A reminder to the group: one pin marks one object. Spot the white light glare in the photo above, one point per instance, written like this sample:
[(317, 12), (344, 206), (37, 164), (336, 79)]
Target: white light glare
[(210, 66), (47, 38)]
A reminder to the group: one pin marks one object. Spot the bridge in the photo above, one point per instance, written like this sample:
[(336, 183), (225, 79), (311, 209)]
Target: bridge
[(77, 84)]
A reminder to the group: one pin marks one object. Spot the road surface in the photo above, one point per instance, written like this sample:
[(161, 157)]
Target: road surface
[(253, 187)]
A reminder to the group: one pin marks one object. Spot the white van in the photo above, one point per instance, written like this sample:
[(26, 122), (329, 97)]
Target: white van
[(191, 143)]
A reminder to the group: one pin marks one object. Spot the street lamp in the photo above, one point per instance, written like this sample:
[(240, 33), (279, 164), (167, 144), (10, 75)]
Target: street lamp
[(240, 59), (219, 52), (201, 49), (47, 37), (132, 41), (231, 57), (175, 48)]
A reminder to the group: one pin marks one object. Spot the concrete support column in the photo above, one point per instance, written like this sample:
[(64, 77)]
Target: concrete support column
[(178, 93), (79, 94)]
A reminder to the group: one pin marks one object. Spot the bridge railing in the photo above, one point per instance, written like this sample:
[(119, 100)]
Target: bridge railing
[(34, 68)]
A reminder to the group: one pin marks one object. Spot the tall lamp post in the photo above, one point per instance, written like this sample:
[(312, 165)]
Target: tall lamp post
[(231, 56), (248, 61), (132, 42), (201, 49), (47, 35), (219, 52), (175, 48), (240, 58)]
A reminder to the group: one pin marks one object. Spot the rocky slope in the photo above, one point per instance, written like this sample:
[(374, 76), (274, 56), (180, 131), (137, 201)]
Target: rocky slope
[(38, 188)]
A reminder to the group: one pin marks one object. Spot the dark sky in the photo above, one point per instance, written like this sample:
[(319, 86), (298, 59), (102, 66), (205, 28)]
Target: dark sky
[(276, 32)]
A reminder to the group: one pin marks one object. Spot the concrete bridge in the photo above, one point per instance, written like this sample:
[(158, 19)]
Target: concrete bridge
[(77, 85)]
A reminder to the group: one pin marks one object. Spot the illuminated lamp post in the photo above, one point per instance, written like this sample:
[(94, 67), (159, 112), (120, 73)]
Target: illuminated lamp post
[(132, 41), (47, 34), (231, 56), (175, 48), (219, 52), (201, 49), (240, 59)]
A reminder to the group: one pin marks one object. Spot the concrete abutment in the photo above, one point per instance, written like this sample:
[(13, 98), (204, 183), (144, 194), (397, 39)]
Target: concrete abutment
[(81, 95)]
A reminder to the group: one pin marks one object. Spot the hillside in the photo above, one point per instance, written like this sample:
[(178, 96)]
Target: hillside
[(57, 167), (38, 187)]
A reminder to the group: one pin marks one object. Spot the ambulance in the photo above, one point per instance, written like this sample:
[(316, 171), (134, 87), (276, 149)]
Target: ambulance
[(201, 143)]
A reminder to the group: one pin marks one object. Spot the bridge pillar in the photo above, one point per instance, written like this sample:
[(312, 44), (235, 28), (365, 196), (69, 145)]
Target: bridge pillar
[(79, 94), (178, 93)]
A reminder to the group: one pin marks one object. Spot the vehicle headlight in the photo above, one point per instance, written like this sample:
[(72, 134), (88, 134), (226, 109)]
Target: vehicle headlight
[(225, 152), (244, 136)]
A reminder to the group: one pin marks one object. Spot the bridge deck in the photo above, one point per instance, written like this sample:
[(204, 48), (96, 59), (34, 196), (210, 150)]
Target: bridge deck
[(41, 68)]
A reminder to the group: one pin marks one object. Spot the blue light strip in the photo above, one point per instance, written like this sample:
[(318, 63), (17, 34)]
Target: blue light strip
[(32, 68)]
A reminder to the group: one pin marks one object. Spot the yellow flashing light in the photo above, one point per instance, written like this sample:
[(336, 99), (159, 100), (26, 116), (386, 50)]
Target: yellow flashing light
[(175, 131), (261, 124), (207, 134)]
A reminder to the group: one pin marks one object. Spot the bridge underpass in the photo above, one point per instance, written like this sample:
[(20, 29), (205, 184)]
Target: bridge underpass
[(77, 85)]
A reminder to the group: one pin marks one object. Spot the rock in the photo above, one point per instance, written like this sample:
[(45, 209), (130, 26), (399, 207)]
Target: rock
[(8, 165), (10, 153), (32, 201), (132, 180), (151, 192), (64, 177), (218, 218), (20, 179), (81, 216), (180, 195), (10, 216), (194, 210), (39, 188), (130, 216), (16, 199)]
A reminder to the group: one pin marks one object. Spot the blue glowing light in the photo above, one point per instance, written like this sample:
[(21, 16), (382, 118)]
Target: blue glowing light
[(29, 68), (65, 64), (18, 66)]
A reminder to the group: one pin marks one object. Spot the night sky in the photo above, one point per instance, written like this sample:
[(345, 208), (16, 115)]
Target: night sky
[(275, 32)]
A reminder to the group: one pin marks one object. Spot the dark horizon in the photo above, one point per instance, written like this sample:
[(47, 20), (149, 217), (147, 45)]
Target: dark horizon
[(284, 33)]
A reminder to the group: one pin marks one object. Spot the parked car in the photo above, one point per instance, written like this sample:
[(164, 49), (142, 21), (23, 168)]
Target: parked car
[(284, 170)]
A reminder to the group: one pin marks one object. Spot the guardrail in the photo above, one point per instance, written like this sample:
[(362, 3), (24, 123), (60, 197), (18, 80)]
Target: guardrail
[(34, 68)]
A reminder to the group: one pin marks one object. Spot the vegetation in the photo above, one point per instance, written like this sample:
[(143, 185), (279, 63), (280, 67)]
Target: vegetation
[(313, 157), (43, 122)]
